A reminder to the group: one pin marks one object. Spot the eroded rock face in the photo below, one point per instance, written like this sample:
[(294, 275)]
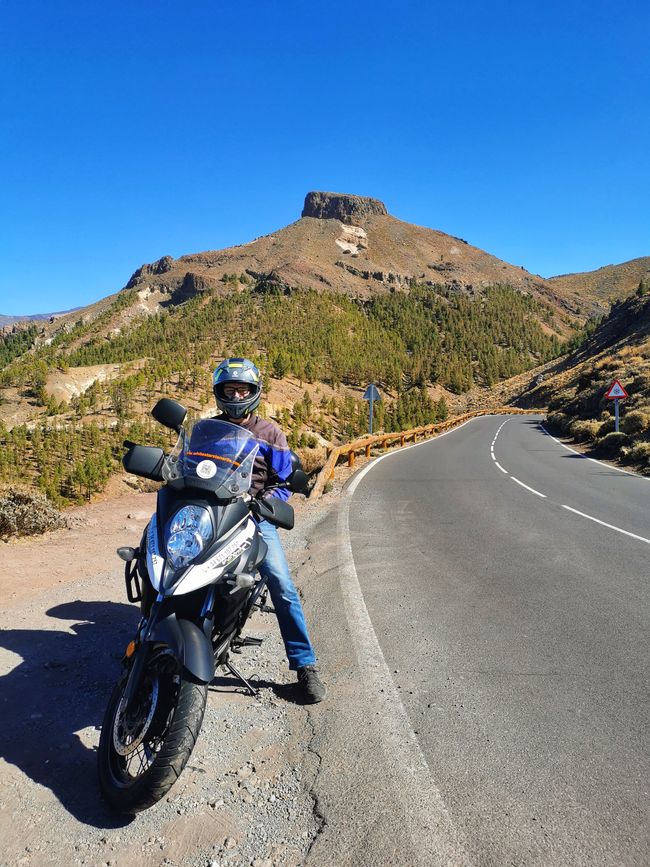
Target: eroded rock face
[(193, 284), (340, 206), (160, 267)]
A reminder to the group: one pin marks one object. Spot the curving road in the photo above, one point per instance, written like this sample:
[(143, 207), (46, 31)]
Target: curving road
[(507, 581)]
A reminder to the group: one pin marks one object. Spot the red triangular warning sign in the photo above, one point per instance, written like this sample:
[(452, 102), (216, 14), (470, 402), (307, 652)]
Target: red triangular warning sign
[(616, 390)]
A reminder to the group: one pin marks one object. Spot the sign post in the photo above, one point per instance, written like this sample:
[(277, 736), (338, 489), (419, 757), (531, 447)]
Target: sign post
[(615, 392), (371, 394)]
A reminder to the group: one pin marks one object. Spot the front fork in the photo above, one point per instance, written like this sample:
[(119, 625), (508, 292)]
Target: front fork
[(140, 653), (141, 647)]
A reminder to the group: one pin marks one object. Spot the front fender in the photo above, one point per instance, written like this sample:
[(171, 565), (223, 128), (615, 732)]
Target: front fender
[(189, 644)]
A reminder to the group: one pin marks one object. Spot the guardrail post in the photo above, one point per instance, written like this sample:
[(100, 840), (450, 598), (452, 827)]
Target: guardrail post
[(335, 453)]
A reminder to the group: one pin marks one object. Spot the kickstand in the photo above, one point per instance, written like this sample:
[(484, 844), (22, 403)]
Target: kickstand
[(231, 668)]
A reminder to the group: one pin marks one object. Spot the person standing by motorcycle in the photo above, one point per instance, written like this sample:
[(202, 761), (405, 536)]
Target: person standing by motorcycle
[(237, 387)]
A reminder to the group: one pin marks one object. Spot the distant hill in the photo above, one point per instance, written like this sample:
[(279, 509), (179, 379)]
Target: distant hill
[(606, 284), (350, 244), (31, 317), (574, 387)]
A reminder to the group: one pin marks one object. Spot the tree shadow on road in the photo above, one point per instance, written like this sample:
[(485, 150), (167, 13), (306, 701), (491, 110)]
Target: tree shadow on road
[(60, 689)]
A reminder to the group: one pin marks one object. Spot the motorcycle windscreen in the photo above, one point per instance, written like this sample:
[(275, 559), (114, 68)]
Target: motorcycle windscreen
[(219, 458)]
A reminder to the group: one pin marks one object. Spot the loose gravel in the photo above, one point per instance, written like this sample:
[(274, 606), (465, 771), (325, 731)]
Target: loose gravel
[(245, 796)]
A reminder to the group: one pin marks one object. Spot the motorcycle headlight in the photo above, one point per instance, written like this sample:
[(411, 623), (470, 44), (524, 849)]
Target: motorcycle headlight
[(187, 533)]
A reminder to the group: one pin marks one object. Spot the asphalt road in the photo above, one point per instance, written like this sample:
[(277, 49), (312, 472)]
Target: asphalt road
[(516, 634)]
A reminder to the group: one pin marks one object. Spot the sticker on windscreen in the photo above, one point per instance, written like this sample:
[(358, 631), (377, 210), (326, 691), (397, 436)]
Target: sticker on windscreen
[(206, 469)]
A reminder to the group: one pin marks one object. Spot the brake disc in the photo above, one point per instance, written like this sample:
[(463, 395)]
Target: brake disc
[(122, 730)]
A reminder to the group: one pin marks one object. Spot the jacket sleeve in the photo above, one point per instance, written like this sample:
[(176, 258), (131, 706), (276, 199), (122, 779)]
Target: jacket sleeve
[(279, 462)]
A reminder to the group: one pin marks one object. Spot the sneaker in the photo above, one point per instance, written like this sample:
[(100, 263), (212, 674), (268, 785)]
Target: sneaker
[(312, 687)]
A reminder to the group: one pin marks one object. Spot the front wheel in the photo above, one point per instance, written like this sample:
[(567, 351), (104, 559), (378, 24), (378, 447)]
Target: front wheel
[(142, 754)]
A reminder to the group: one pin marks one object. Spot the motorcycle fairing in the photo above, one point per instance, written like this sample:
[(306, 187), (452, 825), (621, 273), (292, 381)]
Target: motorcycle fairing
[(189, 644), (223, 558), (155, 560)]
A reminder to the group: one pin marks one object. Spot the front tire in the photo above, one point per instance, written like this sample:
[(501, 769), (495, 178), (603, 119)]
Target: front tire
[(140, 757)]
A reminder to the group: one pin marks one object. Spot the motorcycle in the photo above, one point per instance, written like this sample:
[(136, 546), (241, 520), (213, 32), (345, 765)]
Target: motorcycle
[(195, 576)]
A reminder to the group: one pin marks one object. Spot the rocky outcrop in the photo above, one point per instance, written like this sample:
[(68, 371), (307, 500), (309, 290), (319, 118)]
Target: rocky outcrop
[(193, 284), (156, 268), (340, 206), (384, 276), (269, 283)]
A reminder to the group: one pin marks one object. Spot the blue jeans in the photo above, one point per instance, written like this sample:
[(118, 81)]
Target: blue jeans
[(285, 600)]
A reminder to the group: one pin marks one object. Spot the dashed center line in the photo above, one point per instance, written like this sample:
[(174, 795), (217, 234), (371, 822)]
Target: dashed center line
[(568, 508), (528, 488)]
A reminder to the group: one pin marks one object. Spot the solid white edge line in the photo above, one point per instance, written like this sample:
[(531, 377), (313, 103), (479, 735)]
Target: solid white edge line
[(605, 524), (528, 488), (593, 460), (435, 839)]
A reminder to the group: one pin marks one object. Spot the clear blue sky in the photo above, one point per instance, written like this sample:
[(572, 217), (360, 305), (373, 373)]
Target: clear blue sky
[(129, 131)]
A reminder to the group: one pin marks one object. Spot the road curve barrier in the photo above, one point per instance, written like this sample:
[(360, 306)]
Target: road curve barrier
[(364, 445)]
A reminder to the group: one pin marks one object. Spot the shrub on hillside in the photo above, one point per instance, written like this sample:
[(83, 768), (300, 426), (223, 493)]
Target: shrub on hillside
[(637, 453), (640, 383), (312, 458), (607, 426), (27, 513), (607, 364), (559, 421), (612, 443), (561, 399), (584, 430), (634, 422)]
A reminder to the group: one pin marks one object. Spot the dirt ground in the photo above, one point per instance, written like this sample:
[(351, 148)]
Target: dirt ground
[(245, 797)]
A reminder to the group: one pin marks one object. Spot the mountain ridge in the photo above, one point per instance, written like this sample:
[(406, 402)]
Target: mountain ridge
[(326, 304)]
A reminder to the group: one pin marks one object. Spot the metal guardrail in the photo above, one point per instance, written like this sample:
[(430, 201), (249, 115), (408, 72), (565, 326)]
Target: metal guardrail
[(386, 440)]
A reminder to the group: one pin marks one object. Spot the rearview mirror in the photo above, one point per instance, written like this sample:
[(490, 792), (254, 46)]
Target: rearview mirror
[(170, 413), (298, 482), (145, 461)]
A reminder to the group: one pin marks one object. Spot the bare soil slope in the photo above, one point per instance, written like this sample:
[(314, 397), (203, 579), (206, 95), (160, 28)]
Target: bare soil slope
[(359, 252), (610, 283)]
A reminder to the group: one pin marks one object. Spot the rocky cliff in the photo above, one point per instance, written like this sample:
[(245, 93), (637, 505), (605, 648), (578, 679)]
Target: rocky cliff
[(341, 206)]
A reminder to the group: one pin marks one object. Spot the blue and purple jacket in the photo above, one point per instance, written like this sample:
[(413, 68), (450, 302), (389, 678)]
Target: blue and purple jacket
[(273, 460)]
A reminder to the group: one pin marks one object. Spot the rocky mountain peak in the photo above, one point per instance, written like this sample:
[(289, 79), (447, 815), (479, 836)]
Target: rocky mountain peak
[(341, 206)]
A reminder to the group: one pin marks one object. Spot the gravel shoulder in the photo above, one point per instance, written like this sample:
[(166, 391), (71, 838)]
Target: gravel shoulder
[(246, 796)]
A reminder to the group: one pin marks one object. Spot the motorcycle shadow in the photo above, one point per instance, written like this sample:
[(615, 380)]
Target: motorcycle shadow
[(288, 692), (53, 702)]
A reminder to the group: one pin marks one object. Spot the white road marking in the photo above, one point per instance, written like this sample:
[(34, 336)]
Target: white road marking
[(593, 460), (569, 508), (605, 524), (355, 481), (528, 488), (435, 838), (492, 447)]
